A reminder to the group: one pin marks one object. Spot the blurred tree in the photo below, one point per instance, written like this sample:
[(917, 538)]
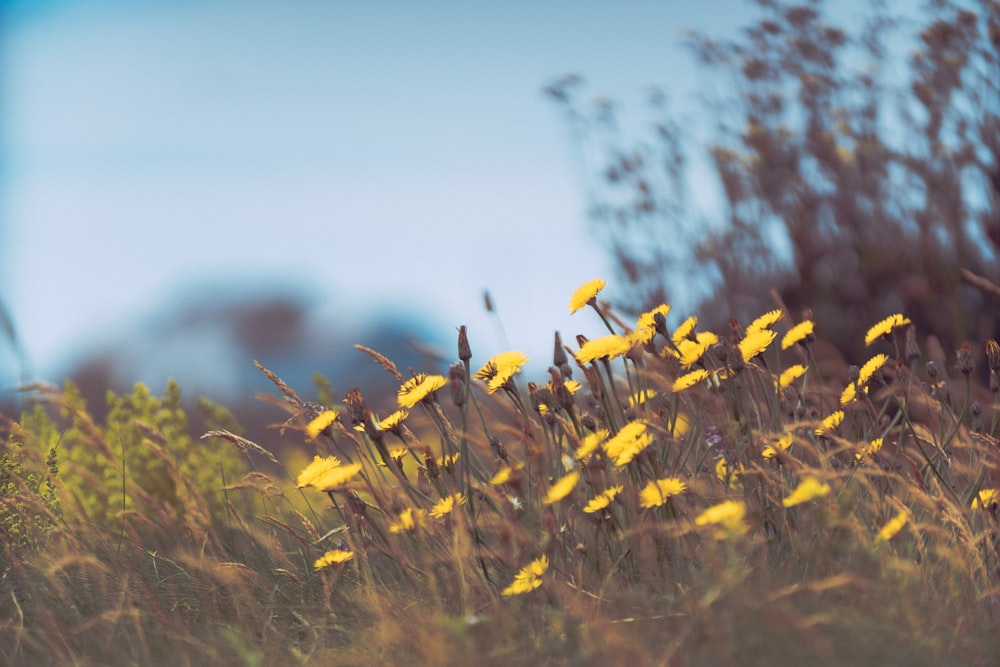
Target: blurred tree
[(857, 182)]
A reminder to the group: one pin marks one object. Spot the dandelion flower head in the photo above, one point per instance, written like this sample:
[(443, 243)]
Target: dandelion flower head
[(659, 491), (584, 293)]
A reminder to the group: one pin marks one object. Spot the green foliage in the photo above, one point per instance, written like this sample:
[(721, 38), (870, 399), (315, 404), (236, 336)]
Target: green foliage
[(147, 439), (29, 502)]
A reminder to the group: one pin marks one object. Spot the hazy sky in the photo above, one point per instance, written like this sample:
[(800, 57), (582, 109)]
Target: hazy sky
[(382, 153)]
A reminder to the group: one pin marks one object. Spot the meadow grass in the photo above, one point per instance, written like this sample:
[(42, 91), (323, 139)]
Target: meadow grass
[(661, 497)]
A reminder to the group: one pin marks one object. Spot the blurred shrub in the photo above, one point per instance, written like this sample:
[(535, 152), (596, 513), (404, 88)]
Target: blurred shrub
[(853, 180)]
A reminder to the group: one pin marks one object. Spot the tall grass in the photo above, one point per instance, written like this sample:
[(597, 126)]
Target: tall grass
[(661, 497)]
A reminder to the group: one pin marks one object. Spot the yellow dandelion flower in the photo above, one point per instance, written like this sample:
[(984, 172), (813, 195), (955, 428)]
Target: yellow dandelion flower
[(409, 519), (603, 499), (730, 479), (500, 368), (690, 351), (448, 460), (872, 365), (685, 329), (444, 506), (870, 450), (893, 526), (572, 386), (689, 379), (885, 327), (632, 439), (681, 426), (641, 397), (319, 423), (659, 491), (316, 469), (986, 498), (590, 444), (765, 321), (781, 445), (393, 420), (584, 293), (645, 325), (502, 476), (335, 478), (803, 331), (332, 558), (529, 578), (808, 489), (648, 319), (418, 388), (849, 394), (561, 488), (756, 342), (729, 517), (397, 453), (830, 423), (605, 347), (790, 375)]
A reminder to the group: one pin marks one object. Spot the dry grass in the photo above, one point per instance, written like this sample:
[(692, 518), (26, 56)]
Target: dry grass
[(464, 537)]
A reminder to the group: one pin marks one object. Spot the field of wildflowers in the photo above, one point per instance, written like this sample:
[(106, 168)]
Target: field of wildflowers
[(661, 497)]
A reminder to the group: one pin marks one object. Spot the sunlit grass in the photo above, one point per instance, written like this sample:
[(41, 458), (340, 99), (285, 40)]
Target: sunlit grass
[(675, 497)]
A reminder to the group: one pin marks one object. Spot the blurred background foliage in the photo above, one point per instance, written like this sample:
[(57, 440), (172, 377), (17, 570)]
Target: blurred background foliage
[(858, 164)]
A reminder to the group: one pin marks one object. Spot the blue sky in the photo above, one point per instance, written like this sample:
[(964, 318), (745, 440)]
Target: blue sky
[(381, 153)]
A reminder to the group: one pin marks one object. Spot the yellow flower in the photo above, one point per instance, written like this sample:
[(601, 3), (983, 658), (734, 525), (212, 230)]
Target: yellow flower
[(645, 325), (870, 367), (502, 476), (584, 293), (658, 491), (782, 444), (690, 351), (894, 525), (448, 460), (334, 478), (500, 368), (605, 347), (870, 450), (393, 420), (319, 423), (603, 499), (681, 426), (790, 375), (849, 394), (689, 379), (333, 557), (986, 498), (572, 386), (446, 505), (885, 327), (728, 516), (418, 388), (756, 342), (802, 331), (628, 443), (830, 423), (529, 578), (316, 469), (590, 444), (561, 489), (685, 329), (723, 473), (765, 321), (641, 397), (808, 489), (409, 519)]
